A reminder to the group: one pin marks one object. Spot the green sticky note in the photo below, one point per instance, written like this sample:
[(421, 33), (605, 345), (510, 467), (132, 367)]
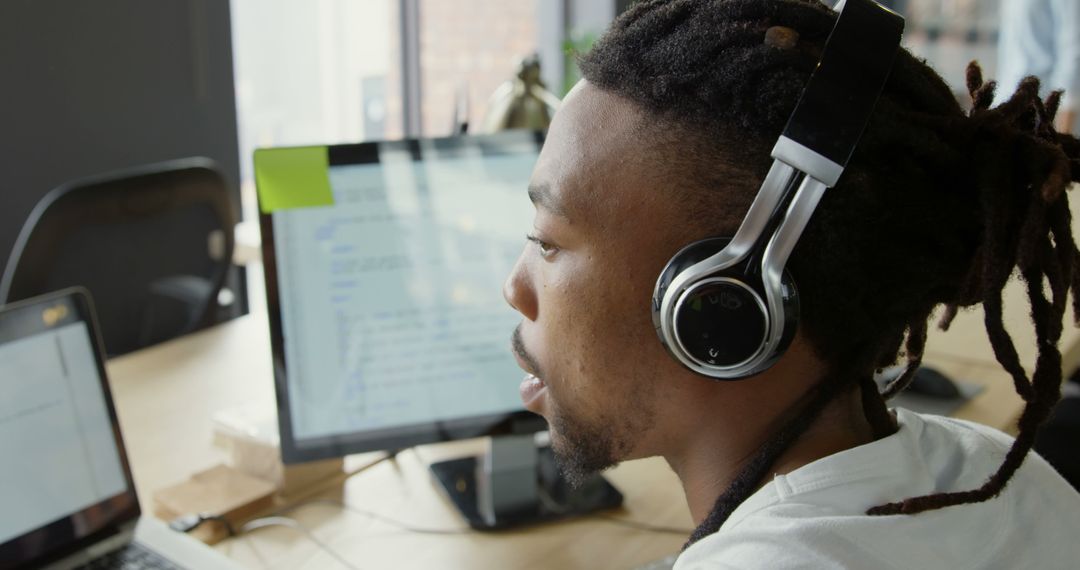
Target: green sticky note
[(288, 178)]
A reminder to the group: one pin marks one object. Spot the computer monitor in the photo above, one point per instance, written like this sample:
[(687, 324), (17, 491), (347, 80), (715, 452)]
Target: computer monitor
[(384, 265)]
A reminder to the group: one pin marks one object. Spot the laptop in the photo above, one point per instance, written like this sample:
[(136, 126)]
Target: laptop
[(66, 493)]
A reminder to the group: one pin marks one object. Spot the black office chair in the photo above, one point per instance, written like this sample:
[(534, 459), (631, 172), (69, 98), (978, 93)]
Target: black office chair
[(139, 241)]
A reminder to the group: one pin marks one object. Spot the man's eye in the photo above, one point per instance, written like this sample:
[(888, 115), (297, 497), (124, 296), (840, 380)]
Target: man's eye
[(546, 249)]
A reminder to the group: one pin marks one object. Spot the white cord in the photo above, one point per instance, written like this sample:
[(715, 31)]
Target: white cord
[(548, 501), (293, 524), (387, 520), (279, 520)]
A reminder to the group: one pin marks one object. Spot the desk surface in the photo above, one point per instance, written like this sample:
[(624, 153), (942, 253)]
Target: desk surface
[(165, 397)]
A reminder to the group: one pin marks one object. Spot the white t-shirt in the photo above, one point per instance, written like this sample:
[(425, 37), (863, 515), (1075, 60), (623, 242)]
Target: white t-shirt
[(814, 517)]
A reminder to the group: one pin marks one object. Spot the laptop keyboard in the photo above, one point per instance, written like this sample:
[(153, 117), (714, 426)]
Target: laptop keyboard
[(134, 556)]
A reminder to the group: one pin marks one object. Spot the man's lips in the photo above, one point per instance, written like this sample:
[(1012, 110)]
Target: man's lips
[(532, 388)]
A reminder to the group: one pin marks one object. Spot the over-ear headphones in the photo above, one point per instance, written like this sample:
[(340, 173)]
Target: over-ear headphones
[(727, 308)]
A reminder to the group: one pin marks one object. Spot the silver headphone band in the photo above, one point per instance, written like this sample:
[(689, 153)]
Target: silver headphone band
[(777, 184), (779, 249)]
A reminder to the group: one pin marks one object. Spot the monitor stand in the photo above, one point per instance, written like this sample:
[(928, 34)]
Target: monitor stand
[(516, 483)]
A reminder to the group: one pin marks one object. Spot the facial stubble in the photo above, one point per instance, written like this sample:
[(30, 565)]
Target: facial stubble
[(583, 446)]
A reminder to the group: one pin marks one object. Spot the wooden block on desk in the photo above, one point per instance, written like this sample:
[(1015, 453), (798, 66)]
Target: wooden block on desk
[(299, 478), (219, 490), (262, 460)]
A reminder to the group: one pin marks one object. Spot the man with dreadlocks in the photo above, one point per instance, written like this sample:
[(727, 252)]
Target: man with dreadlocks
[(665, 142)]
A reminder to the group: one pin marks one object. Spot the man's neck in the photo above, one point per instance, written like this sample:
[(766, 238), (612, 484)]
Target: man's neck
[(712, 460)]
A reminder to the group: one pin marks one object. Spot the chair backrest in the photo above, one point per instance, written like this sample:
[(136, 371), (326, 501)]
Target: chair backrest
[(138, 240)]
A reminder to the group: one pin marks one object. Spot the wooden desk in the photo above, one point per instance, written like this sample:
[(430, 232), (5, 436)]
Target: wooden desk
[(165, 397)]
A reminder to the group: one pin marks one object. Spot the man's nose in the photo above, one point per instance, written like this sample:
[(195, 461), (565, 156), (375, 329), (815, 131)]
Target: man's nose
[(518, 291)]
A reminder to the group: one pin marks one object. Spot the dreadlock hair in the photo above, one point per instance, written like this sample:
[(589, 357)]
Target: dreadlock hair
[(936, 208)]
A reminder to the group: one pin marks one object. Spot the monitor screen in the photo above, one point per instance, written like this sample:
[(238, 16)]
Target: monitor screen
[(388, 324), (65, 475)]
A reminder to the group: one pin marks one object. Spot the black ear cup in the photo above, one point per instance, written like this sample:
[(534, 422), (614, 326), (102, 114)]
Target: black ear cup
[(721, 323), (686, 257)]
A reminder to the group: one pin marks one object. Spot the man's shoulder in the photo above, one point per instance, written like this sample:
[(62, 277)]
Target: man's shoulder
[(815, 516), (997, 533), (772, 541)]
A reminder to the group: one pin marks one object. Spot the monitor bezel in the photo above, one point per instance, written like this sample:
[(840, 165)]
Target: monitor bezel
[(23, 319), (391, 439)]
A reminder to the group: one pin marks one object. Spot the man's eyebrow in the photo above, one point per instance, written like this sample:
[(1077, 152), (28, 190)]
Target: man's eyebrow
[(541, 197)]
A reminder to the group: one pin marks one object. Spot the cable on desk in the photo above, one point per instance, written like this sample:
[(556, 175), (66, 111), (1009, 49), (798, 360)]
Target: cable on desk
[(295, 525), (390, 455), (643, 526), (385, 519), (554, 506), (346, 475), (190, 522), (409, 528)]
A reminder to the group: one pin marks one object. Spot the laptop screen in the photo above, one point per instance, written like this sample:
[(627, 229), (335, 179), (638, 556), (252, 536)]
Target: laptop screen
[(65, 477)]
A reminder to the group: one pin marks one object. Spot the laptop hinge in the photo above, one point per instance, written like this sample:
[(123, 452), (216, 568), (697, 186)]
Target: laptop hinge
[(121, 537)]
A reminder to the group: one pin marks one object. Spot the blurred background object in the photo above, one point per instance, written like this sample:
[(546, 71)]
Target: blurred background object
[(1011, 39), (219, 79), (951, 33), (522, 102), (139, 240), (92, 87), (114, 84), (1041, 38)]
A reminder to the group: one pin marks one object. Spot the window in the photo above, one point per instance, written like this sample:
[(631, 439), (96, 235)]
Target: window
[(331, 71), (468, 48), (314, 72)]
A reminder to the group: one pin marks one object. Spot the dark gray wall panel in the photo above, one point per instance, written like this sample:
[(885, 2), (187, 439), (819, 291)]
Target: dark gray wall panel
[(92, 86)]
